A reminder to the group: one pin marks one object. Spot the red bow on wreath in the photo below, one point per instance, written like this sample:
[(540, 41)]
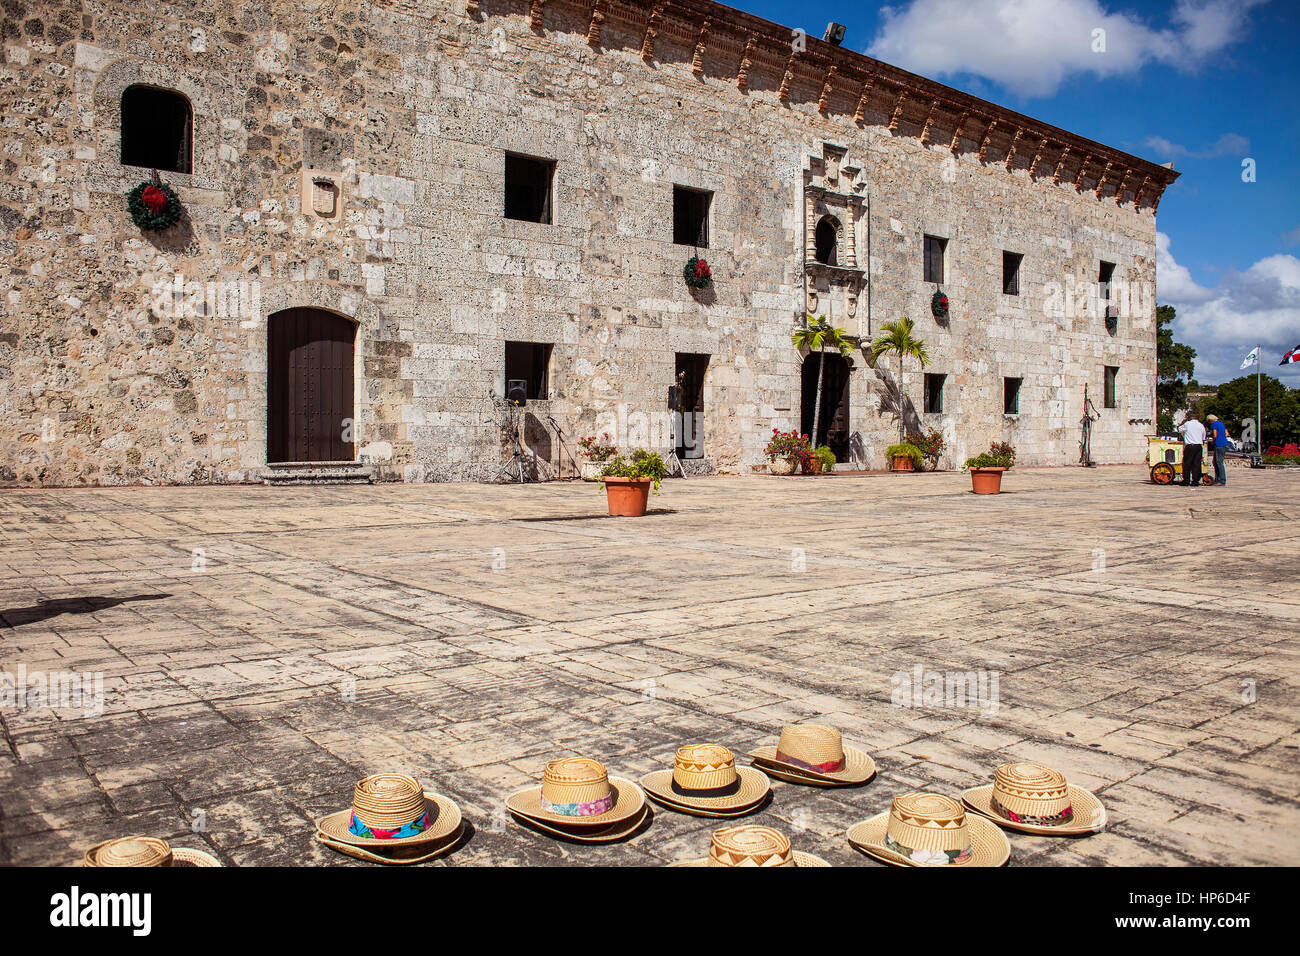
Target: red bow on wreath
[(702, 269), (154, 199)]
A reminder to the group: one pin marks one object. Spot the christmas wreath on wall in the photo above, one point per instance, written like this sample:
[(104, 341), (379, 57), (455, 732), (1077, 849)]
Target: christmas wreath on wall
[(154, 205), (939, 305), (697, 273)]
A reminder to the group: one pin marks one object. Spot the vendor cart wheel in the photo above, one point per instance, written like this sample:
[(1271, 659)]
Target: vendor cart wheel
[(1162, 473)]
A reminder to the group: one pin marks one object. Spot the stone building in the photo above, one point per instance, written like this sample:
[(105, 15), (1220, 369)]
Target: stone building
[(396, 211)]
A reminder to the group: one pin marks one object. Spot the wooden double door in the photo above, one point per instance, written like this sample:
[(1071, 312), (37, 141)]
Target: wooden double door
[(309, 387)]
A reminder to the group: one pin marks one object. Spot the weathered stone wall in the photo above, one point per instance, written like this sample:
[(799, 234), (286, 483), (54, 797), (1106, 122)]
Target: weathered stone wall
[(410, 107)]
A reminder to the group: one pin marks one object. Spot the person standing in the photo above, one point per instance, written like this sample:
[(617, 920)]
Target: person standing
[(1193, 438), (1220, 434)]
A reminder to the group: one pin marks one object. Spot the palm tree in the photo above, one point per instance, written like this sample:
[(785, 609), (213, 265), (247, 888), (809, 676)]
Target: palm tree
[(815, 337), (897, 337)]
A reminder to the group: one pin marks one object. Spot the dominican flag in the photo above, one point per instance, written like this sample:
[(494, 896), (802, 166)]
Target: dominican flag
[(1251, 359), (1291, 357)]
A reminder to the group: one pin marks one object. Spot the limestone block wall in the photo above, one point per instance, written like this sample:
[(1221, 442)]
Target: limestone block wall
[(129, 357)]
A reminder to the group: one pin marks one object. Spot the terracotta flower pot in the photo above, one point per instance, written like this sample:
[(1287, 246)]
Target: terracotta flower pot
[(813, 466), (903, 463), (986, 481), (783, 466), (628, 496)]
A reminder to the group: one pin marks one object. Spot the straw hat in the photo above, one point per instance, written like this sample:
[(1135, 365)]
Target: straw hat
[(815, 751), (928, 829), (577, 791), (391, 810), (144, 851), (704, 780), (751, 846), (1036, 799)]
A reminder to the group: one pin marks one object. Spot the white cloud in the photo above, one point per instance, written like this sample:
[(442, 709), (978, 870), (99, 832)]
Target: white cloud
[(1032, 46), (1260, 306), (1229, 144)]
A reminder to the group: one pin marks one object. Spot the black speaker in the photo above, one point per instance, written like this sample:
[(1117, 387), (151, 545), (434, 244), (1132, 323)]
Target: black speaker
[(834, 33), (674, 397), (517, 391)]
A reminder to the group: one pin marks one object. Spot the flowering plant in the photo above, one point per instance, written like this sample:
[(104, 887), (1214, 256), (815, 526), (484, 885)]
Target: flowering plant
[(697, 273), (1001, 454), (597, 449), (930, 445), (640, 464), (789, 444), (153, 205)]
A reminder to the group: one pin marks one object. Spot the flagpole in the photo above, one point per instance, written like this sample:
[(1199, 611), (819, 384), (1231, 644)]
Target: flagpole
[(1259, 400)]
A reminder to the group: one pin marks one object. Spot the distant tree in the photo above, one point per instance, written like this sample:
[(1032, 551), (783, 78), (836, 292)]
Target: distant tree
[(1175, 364), (1235, 401)]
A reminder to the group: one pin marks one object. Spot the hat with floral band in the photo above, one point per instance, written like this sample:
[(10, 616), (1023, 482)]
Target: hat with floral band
[(929, 829), (578, 792), (392, 810), (704, 780), (754, 847), (145, 851), (817, 752), (1035, 799)]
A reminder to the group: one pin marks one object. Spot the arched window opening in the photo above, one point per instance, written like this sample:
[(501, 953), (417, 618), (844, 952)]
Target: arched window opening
[(827, 241), (157, 129)]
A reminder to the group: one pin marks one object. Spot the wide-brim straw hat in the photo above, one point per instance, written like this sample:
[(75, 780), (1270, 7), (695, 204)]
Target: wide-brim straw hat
[(612, 833), (1032, 798), (589, 795), (705, 778), (816, 751), (402, 855), (752, 847), (391, 801), (145, 851), (928, 828)]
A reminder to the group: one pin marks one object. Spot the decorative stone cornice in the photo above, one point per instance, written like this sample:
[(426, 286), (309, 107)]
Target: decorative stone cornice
[(767, 45)]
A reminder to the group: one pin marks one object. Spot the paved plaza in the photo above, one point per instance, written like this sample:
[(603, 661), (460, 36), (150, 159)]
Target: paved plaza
[(263, 648)]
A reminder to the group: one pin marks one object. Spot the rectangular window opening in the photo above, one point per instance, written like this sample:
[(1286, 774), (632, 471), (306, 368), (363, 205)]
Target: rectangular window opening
[(691, 216), (1011, 272), (1112, 375), (934, 393), (528, 188), (1011, 396), (528, 366), (934, 247)]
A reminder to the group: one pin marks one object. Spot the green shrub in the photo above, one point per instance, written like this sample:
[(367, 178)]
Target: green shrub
[(905, 448), (639, 464), (827, 456), (1001, 454)]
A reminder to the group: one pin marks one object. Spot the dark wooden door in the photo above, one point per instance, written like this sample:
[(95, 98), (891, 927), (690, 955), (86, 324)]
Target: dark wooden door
[(833, 424), (688, 395), (309, 386)]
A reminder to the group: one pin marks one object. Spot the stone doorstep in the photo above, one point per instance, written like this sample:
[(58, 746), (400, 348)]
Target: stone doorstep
[(317, 473)]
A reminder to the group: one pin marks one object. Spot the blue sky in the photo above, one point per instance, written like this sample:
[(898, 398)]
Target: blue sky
[(1204, 83)]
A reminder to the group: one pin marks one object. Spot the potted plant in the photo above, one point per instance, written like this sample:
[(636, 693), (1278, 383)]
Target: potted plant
[(931, 447), (825, 459), (904, 456), (986, 468), (896, 337), (597, 452), (786, 451), (627, 482)]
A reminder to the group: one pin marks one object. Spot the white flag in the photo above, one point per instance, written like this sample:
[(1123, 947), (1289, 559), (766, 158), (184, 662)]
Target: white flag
[(1251, 359)]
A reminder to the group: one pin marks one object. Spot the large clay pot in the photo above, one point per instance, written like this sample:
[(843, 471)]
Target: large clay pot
[(627, 496), (813, 466), (986, 481), (903, 463), (783, 466), (591, 470)]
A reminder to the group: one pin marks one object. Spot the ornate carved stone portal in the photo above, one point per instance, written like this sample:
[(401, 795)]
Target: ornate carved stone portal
[(833, 213)]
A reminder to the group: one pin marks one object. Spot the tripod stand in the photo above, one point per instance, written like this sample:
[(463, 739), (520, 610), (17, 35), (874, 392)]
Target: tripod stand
[(509, 419)]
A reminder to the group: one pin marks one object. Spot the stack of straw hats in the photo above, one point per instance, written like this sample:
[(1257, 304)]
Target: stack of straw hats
[(144, 851), (392, 820), (755, 847), (929, 829), (579, 800), (815, 755), (1035, 799), (706, 782)]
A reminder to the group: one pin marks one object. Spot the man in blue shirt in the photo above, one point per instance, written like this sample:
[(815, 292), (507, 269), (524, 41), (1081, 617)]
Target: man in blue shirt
[(1220, 447)]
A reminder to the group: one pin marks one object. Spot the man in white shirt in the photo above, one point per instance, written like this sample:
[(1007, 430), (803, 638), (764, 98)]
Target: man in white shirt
[(1193, 444)]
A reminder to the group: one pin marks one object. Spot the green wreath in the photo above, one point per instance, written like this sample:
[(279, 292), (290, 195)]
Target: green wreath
[(696, 272), (938, 305), (154, 206)]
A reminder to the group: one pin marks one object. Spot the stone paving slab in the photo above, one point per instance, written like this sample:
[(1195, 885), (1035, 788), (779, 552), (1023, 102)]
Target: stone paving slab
[(1143, 638)]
